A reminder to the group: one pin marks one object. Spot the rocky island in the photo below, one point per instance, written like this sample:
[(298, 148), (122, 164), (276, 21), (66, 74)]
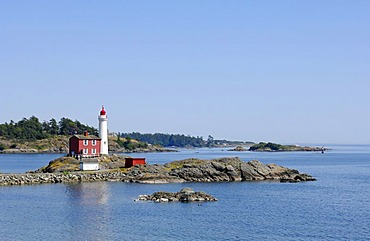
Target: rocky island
[(184, 195), (65, 170), (268, 147), (238, 148)]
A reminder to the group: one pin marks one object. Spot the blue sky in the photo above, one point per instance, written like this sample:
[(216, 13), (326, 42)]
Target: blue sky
[(282, 71)]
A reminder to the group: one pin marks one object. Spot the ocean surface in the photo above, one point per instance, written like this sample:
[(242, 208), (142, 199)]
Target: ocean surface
[(335, 207)]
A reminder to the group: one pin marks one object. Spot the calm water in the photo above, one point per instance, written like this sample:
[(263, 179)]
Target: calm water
[(336, 207)]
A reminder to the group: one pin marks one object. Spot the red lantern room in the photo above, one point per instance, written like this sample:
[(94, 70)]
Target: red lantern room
[(103, 112)]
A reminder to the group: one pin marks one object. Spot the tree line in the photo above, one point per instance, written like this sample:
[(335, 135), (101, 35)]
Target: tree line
[(176, 140), (32, 129)]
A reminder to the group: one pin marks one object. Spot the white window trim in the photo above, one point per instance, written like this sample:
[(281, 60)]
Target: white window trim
[(93, 142), (86, 151), (93, 151), (86, 142)]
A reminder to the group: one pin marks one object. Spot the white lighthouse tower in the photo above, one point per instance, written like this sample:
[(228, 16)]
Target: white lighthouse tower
[(103, 131)]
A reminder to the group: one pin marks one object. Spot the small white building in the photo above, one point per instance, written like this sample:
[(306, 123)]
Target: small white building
[(89, 164)]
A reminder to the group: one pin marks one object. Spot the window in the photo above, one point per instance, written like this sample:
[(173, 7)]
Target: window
[(93, 151), (86, 142), (93, 142), (86, 151)]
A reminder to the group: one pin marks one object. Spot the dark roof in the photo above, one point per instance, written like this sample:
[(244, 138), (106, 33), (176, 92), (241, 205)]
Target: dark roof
[(90, 160), (89, 137)]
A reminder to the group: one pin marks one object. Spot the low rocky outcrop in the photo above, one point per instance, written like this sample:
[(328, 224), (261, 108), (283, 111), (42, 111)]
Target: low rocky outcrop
[(184, 195), (270, 147), (189, 170), (217, 170), (238, 148), (62, 164)]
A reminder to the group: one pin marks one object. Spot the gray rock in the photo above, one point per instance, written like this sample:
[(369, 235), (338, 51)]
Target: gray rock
[(218, 166), (187, 190), (185, 195)]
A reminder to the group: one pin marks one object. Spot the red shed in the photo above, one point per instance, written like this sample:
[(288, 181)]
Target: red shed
[(84, 145), (129, 162)]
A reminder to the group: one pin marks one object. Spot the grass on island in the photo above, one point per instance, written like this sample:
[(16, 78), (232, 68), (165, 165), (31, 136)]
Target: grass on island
[(180, 164)]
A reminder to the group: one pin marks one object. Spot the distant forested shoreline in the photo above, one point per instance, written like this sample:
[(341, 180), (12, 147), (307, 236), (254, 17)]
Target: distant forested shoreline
[(180, 140)]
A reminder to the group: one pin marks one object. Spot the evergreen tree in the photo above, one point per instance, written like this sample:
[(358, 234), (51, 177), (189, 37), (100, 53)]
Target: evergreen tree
[(53, 127)]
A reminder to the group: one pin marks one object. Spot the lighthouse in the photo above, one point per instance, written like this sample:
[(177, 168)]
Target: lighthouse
[(103, 131)]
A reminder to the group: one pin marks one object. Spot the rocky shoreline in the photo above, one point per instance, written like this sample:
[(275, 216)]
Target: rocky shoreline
[(147, 150), (42, 178), (32, 151), (190, 170)]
